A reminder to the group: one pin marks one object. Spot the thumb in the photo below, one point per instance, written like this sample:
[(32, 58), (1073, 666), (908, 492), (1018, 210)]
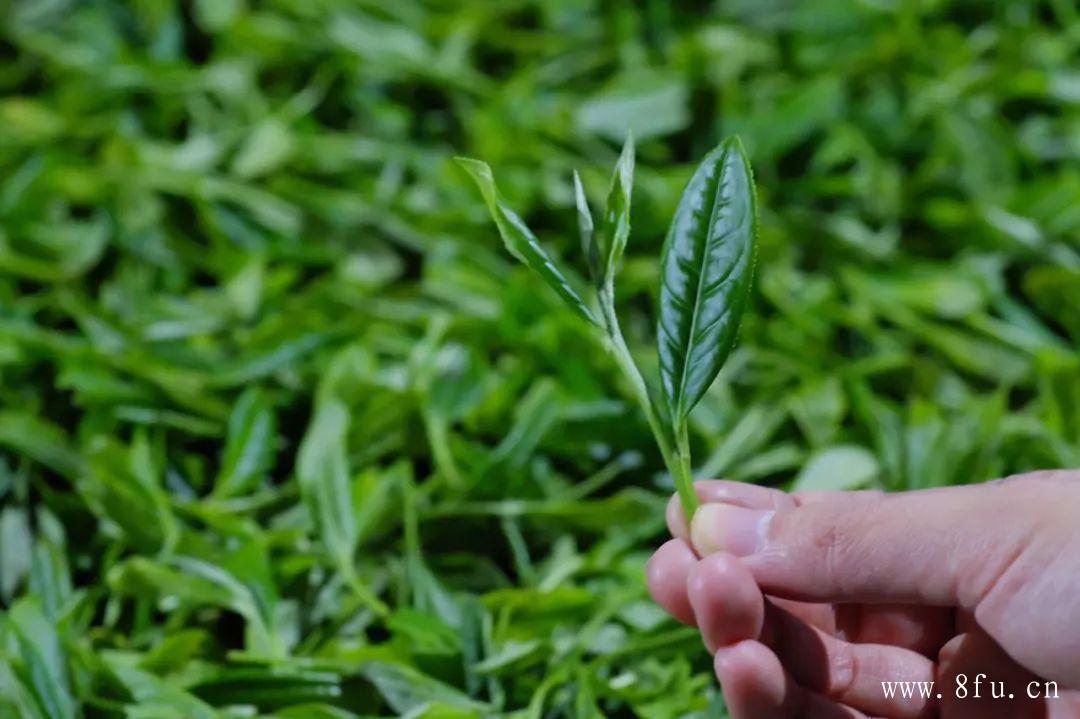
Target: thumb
[(944, 547)]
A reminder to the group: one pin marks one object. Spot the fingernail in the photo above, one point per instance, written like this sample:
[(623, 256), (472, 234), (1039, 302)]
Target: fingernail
[(726, 528)]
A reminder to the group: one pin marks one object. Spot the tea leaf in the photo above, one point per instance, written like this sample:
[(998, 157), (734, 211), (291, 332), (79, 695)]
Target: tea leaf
[(323, 472), (615, 227), (406, 689), (837, 468), (249, 446), (44, 659), (706, 269), (520, 240), (284, 435), (586, 228)]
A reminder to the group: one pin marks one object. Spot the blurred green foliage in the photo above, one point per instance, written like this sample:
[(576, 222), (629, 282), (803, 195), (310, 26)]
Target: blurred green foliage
[(284, 433)]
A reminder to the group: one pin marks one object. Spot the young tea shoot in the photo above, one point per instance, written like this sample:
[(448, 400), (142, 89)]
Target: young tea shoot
[(707, 265)]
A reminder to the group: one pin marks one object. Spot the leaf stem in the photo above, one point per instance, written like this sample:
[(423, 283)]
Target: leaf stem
[(678, 464), (684, 480)]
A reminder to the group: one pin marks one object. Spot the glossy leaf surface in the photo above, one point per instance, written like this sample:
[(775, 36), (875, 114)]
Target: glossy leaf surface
[(706, 269)]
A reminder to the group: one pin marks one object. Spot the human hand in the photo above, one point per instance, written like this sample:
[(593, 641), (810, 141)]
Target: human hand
[(810, 602)]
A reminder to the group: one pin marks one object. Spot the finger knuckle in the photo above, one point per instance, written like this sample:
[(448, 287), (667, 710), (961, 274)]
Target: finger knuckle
[(824, 539), (842, 670)]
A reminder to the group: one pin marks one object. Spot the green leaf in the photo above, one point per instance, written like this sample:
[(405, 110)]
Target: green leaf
[(323, 471), (269, 146), (217, 15), (586, 228), (249, 447), (17, 700), (841, 467), (160, 698), (195, 582), (43, 659), (1059, 392), (706, 267), (603, 248), (60, 251), (15, 543), (267, 686), (650, 104), (40, 440), (536, 413), (231, 209), (615, 227), (122, 487), (405, 689), (50, 578), (520, 240)]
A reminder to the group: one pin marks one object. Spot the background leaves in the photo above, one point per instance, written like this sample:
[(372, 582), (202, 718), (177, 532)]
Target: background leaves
[(218, 212)]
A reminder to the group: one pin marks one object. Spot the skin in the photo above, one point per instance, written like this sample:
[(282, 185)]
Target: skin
[(809, 601)]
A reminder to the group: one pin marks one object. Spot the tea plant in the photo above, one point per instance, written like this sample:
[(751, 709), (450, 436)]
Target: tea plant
[(244, 288), (706, 271)]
